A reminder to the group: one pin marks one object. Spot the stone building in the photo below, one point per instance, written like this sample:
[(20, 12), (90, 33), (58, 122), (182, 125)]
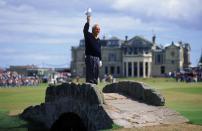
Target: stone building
[(137, 57)]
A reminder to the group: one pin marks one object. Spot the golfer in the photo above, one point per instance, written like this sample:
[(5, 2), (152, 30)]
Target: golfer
[(92, 52)]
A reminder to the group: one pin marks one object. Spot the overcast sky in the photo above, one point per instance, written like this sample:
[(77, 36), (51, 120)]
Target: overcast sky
[(42, 32)]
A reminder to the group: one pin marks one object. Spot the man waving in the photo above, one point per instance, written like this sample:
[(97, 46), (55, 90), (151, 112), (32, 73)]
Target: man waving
[(92, 52)]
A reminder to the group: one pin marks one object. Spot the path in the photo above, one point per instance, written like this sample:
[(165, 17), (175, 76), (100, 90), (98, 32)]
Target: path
[(129, 113)]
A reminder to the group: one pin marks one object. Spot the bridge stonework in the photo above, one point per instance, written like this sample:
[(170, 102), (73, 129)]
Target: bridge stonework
[(88, 103), (84, 100), (137, 91)]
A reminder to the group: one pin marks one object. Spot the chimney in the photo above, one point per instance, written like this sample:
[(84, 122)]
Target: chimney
[(154, 39), (180, 42), (126, 38)]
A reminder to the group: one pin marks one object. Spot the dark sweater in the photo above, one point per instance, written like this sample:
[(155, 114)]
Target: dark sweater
[(92, 45)]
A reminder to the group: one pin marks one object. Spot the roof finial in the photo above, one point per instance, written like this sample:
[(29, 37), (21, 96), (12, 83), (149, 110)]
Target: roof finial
[(126, 38), (200, 60), (153, 37)]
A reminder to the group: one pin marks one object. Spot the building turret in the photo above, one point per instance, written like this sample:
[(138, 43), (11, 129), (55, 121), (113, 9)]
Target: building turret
[(126, 38), (186, 50), (154, 39), (200, 61)]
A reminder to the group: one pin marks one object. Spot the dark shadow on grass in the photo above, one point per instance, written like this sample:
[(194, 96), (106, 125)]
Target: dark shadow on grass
[(34, 126), (25, 127)]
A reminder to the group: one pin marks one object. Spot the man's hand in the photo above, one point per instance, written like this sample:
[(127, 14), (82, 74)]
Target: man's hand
[(88, 19), (100, 64)]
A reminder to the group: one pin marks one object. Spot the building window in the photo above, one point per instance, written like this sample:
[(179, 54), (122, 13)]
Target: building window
[(125, 50), (118, 70), (146, 68), (129, 69), (84, 71), (135, 69), (83, 57), (162, 69), (106, 70), (124, 68), (112, 57), (159, 59), (130, 50), (141, 50), (146, 51), (112, 70), (141, 69), (172, 54), (172, 62), (135, 51)]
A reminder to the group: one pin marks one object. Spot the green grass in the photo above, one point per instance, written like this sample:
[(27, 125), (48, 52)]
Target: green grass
[(114, 127), (13, 101), (185, 98), (17, 99), (11, 123)]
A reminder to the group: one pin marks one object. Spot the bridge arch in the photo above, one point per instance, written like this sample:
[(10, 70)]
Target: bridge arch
[(69, 121), (69, 100)]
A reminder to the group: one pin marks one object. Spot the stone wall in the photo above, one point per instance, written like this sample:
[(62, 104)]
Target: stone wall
[(136, 90), (84, 100), (86, 93)]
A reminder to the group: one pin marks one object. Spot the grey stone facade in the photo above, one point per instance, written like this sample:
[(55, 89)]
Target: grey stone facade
[(136, 57)]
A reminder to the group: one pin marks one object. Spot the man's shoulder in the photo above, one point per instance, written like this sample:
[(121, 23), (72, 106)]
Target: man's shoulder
[(89, 35)]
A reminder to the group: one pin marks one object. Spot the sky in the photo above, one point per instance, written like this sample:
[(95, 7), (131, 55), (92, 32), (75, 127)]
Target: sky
[(42, 32)]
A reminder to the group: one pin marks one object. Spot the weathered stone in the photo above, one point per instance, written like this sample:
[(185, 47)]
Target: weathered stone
[(85, 92), (129, 113), (84, 100), (87, 102), (136, 90)]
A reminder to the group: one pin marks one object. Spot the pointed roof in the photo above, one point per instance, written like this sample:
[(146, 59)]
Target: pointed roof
[(138, 41)]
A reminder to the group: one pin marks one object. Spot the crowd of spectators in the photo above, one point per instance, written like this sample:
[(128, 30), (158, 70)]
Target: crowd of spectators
[(13, 79), (192, 75)]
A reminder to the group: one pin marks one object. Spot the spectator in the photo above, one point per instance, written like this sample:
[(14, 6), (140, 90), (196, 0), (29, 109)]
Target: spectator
[(13, 79)]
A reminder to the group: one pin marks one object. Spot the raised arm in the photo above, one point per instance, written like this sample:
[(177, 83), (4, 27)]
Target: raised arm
[(86, 27)]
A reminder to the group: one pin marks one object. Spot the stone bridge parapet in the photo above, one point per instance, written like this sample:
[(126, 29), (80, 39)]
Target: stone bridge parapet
[(136, 90)]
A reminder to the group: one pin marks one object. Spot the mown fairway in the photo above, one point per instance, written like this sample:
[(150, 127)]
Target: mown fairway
[(13, 101), (186, 98)]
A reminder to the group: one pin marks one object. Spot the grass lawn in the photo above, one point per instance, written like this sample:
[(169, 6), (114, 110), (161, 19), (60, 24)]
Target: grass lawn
[(13, 101), (185, 98)]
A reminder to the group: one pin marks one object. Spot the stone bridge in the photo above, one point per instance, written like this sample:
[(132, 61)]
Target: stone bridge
[(84, 107)]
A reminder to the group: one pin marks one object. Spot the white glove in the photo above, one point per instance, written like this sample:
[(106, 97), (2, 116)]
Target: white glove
[(100, 64)]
